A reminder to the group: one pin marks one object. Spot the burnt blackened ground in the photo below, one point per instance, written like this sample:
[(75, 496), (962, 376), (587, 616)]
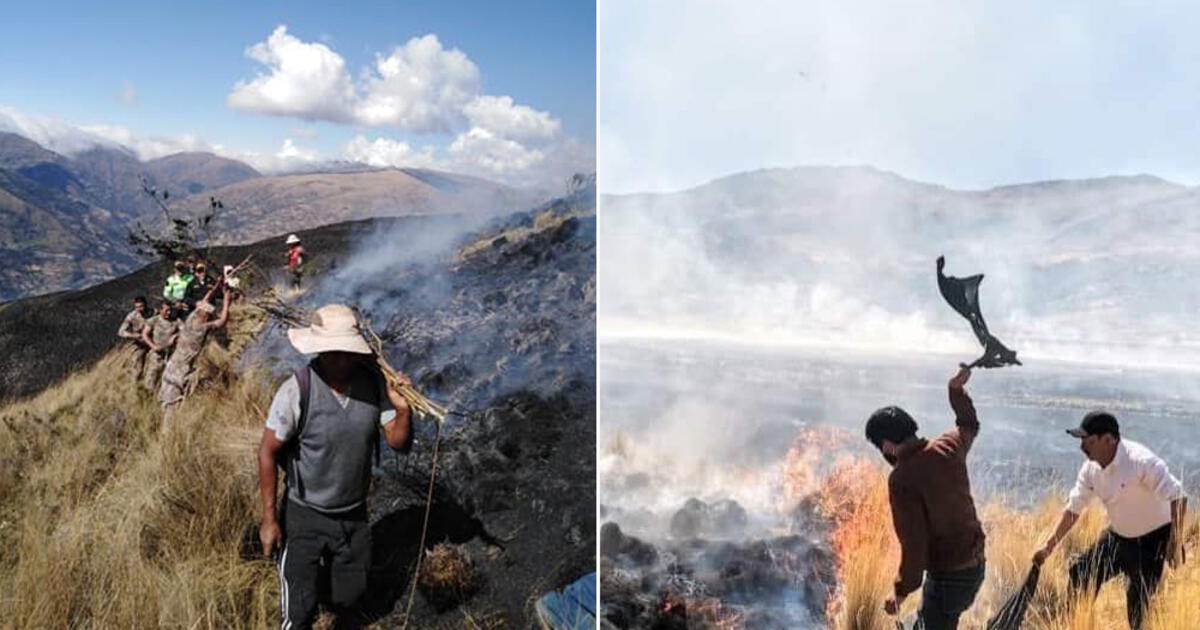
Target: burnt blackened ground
[(44, 338), (768, 584)]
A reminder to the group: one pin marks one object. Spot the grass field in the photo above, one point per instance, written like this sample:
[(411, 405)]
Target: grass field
[(855, 496), (110, 520)]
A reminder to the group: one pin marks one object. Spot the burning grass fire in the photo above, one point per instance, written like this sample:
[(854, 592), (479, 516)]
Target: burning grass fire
[(839, 576)]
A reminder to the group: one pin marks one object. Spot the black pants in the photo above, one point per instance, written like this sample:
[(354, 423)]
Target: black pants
[(1140, 560), (342, 543), (946, 596)]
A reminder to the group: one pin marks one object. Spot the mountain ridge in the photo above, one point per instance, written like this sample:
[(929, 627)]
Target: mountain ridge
[(45, 195)]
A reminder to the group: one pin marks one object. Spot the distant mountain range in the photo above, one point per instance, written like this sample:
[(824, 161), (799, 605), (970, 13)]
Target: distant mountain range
[(844, 256), (260, 207), (65, 220)]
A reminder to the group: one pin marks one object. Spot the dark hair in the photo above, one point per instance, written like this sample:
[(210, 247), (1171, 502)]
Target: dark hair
[(890, 423), (1101, 422), (140, 298)]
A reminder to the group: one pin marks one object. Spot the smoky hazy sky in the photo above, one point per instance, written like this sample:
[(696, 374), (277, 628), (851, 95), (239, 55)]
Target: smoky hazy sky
[(968, 94)]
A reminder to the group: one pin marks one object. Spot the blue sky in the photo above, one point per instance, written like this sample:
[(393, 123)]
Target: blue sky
[(969, 94), (177, 64)]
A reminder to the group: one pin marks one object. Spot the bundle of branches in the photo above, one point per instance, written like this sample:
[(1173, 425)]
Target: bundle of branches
[(279, 310), (416, 399), (296, 317)]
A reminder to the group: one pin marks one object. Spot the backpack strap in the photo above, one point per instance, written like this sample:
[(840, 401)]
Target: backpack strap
[(381, 392), (304, 381)]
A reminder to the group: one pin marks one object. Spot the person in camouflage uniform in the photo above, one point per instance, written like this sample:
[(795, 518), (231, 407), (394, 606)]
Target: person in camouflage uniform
[(131, 329), (179, 374), (159, 335)]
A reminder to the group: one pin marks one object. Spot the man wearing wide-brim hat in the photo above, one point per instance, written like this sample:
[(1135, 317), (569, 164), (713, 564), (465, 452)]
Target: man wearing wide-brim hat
[(1146, 506), (322, 429)]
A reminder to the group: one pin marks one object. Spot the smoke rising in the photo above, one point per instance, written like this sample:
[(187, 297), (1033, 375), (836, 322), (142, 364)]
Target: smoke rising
[(1088, 271), (750, 326)]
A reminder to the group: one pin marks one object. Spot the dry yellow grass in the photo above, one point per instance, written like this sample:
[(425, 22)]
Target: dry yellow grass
[(449, 570), (868, 557), (106, 522), (546, 220)]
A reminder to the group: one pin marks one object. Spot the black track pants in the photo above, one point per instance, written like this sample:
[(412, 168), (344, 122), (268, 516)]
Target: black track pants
[(342, 542)]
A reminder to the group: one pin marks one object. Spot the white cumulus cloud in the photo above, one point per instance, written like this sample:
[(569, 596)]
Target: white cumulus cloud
[(290, 151), (420, 86), (480, 153), (52, 134), (148, 147), (305, 80), (501, 116), (495, 155), (385, 152)]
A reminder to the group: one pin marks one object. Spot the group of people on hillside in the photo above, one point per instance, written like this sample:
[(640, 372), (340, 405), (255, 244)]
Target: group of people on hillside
[(942, 541), (167, 341)]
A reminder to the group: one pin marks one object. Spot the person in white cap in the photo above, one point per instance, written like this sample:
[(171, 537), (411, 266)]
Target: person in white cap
[(296, 257), (233, 284), (322, 428)]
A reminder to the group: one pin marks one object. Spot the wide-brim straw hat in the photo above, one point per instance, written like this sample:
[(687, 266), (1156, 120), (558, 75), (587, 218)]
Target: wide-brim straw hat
[(333, 328), (292, 239)]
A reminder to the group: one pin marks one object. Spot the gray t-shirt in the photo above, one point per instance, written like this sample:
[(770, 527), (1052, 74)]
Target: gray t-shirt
[(285, 408)]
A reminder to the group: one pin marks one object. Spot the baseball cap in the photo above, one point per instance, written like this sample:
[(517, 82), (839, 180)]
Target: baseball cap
[(1096, 423)]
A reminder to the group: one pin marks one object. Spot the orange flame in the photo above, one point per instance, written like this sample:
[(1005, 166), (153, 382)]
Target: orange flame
[(854, 498)]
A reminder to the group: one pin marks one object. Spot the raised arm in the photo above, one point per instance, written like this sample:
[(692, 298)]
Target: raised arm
[(398, 432), (224, 317), (965, 418), (213, 289)]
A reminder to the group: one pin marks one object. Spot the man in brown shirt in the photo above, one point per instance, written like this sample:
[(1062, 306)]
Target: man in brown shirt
[(941, 540)]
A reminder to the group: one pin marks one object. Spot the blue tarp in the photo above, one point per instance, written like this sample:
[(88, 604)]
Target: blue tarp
[(573, 608)]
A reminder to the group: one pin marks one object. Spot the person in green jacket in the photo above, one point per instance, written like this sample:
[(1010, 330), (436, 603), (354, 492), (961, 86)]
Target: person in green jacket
[(177, 283)]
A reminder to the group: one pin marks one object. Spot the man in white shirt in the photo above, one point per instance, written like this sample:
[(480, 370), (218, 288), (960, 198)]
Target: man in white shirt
[(1146, 507)]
